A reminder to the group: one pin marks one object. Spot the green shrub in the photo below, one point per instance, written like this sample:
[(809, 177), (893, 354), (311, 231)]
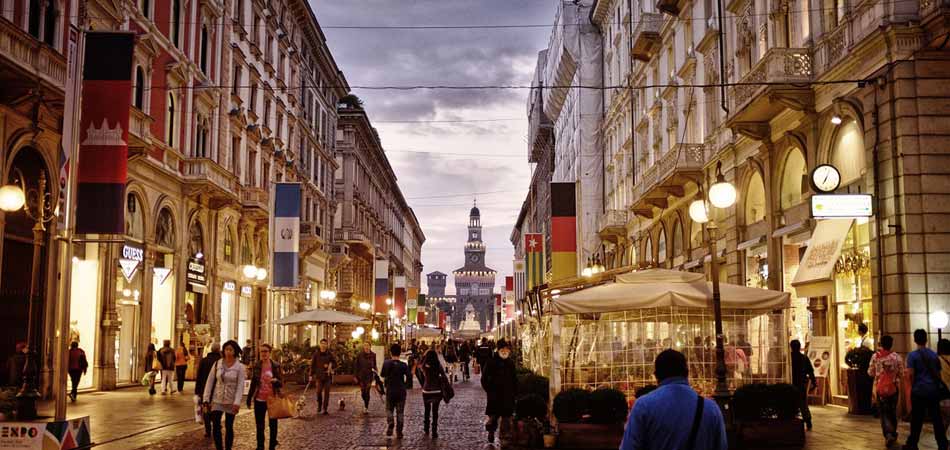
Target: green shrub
[(608, 406), (534, 384), (572, 405), (531, 406), (760, 401)]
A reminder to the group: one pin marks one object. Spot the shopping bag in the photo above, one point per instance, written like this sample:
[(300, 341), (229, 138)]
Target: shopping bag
[(280, 407), (199, 416), (147, 378)]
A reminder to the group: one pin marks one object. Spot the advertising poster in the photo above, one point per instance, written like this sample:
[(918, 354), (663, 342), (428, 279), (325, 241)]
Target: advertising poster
[(66, 435), (819, 353)]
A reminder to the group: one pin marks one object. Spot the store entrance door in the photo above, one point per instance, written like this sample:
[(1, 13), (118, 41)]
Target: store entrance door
[(125, 350)]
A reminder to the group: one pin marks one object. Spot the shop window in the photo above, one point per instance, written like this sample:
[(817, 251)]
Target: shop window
[(677, 239), (794, 179), (755, 199), (165, 229), (648, 256), (848, 152), (661, 247), (853, 296), (229, 246)]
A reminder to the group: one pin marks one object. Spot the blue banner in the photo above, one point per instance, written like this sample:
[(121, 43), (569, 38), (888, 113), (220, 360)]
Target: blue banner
[(286, 232)]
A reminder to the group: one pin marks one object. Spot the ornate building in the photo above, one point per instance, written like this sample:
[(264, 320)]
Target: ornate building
[(474, 283)]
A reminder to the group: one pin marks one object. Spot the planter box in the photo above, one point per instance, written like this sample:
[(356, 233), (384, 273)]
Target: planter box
[(772, 434), (589, 435), (344, 379)]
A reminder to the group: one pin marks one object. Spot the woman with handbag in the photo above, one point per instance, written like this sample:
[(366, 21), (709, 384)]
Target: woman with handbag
[(434, 379), (266, 380), (223, 391), (152, 366)]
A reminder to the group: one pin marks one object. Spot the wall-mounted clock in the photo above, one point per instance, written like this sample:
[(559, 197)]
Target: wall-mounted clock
[(826, 178)]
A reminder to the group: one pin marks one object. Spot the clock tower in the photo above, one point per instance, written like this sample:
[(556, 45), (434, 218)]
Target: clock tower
[(474, 283), (474, 247)]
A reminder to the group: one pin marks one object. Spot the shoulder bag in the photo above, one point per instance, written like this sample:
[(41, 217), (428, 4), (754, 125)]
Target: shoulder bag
[(448, 392), (697, 420), (942, 392), (206, 406)]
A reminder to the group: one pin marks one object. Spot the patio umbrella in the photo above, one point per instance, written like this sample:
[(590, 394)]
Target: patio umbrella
[(321, 316), (654, 288)]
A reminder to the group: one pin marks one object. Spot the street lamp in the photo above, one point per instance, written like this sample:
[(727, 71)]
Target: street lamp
[(249, 271), (938, 320), (261, 274), (38, 205), (722, 195), (364, 306)]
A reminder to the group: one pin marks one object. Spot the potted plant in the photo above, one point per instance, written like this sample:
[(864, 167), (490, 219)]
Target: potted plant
[(859, 382), (590, 419), (345, 371), (765, 416), (531, 412)]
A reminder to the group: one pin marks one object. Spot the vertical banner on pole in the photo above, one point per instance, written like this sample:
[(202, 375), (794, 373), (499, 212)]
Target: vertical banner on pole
[(519, 282), (508, 307), (421, 316), (381, 287), (563, 231), (442, 319), (534, 260), (399, 295), (412, 305), (497, 309), (104, 133), (286, 234)]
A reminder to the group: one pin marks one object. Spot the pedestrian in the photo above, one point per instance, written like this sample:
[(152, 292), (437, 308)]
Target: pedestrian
[(887, 369), (15, 364), (451, 360), (321, 372), (222, 393), (943, 352), (433, 376), (863, 339), (923, 367), (482, 353), (802, 373), (204, 369), (181, 365), (366, 373), (465, 357), (247, 353), (166, 358), (659, 420), (266, 380), (77, 367), (152, 367), (501, 386), (398, 378)]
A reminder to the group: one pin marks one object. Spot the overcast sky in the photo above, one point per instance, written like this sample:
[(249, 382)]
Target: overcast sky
[(437, 177)]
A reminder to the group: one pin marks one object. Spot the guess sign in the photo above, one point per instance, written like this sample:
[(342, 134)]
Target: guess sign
[(133, 253)]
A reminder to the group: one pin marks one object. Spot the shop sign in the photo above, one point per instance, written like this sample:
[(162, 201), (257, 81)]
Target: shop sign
[(196, 272), (129, 267), (62, 435), (132, 256), (819, 352), (229, 286), (246, 290), (845, 206), (161, 274)]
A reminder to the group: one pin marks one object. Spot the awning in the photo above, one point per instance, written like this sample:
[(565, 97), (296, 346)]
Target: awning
[(815, 276), (321, 316), (750, 243)]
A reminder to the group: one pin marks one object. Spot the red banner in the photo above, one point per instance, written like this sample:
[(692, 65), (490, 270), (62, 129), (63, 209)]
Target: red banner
[(421, 317), (442, 319)]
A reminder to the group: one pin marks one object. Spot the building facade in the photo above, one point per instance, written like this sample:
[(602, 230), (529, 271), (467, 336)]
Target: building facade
[(473, 308)]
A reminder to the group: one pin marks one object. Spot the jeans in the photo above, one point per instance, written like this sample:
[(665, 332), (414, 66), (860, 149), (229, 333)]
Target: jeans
[(260, 410), (228, 429), (365, 388), (74, 376), (431, 402), (926, 406), (803, 404), (207, 421), (323, 393), (465, 372), (396, 406), (887, 407), (180, 377), (167, 377)]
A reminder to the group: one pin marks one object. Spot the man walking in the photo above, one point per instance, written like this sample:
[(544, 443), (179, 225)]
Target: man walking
[(887, 368), (77, 367), (501, 386), (321, 372), (247, 353), (204, 369), (365, 373), (674, 416), (397, 376), (166, 358), (802, 372), (923, 369)]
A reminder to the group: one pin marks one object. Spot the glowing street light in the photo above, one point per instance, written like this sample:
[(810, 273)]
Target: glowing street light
[(364, 306)]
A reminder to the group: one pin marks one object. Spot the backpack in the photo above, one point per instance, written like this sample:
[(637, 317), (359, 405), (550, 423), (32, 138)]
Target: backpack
[(886, 383)]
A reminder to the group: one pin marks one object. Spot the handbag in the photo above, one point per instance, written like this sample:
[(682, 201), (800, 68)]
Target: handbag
[(448, 392), (280, 406), (206, 406), (155, 364)]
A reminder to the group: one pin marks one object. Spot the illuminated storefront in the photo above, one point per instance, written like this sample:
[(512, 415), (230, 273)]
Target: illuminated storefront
[(128, 293), (84, 306)]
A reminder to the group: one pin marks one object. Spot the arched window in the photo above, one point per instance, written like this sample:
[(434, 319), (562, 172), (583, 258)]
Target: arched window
[(196, 240), (246, 256), (695, 235), (677, 238), (848, 152), (201, 138), (661, 246), (165, 229), (755, 199), (175, 29), (134, 220), (229, 245), (204, 49), (648, 251), (170, 119), (138, 95), (147, 8), (792, 179), (261, 251), (34, 18)]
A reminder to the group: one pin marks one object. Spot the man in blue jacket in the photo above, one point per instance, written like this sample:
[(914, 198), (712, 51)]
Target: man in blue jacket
[(674, 416)]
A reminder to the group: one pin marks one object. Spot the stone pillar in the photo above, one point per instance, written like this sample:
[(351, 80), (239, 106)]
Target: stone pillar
[(104, 365)]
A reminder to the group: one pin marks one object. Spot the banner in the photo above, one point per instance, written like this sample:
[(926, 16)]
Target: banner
[(381, 287), (534, 260), (104, 133), (286, 234), (64, 435), (442, 319), (412, 308), (399, 295), (519, 280), (421, 316), (508, 305), (563, 231), (497, 315)]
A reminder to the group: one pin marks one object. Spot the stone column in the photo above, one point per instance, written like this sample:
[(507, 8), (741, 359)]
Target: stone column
[(104, 365)]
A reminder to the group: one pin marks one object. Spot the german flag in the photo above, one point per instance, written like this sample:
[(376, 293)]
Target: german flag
[(534, 260), (563, 231)]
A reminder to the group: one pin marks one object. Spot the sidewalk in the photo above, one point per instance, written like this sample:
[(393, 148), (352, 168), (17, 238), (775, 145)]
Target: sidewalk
[(836, 429)]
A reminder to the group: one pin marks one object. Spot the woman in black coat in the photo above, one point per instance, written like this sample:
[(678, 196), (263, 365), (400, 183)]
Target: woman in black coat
[(501, 386)]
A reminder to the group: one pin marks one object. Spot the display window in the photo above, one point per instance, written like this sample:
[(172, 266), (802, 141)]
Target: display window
[(163, 300), (84, 306), (853, 303), (128, 294)]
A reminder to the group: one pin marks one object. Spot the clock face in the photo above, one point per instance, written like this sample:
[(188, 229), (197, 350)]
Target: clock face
[(473, 258), (826, 178)]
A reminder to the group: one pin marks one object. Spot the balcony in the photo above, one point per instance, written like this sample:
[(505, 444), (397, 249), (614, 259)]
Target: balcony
[(32, 58), (667, 177), (671, 7), (778, 81), (646, 36), (255, 202), (205, 178), (311, 237), (140, 128), (613, 226)]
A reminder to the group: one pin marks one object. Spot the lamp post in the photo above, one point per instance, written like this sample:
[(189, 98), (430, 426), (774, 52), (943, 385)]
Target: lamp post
[(721, 195), (39, 207), (938, 320)]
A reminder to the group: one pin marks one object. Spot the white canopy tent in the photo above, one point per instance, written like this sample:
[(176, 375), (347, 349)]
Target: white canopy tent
[(321, 316), (654, 288)]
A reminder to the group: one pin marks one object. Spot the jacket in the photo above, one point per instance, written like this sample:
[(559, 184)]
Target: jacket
[(501, 386), (256, 379), (225, 385), (802, 370), (166, 357), (432, 379), (397, 378), (365, 366), (204, 368), (77, 360), (321, 364)]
